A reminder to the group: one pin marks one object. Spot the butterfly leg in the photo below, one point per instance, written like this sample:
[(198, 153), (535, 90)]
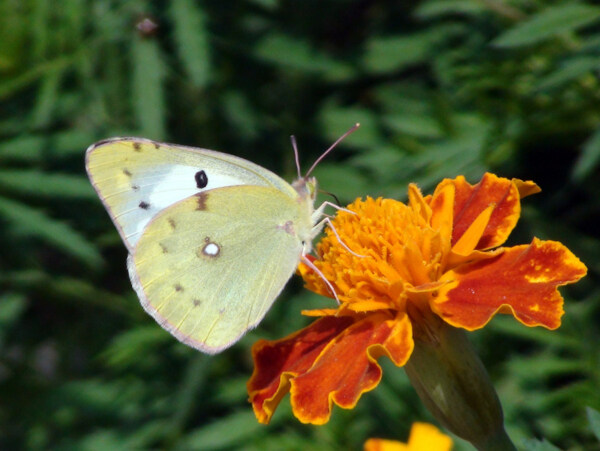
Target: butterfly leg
[(312, 266), (317, 229), (319, 212)]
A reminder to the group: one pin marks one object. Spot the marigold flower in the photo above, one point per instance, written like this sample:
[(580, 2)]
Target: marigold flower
[(423, 437), (437, 256)]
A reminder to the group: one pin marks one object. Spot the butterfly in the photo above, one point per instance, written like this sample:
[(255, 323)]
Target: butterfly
[(212, 238)]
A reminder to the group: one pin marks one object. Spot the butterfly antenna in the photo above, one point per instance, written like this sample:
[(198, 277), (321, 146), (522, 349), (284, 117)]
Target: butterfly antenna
[(296, 155), (337, 201), (324, 154)]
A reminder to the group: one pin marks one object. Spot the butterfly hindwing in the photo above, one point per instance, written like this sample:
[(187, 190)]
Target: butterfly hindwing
[(137, 178), (209, 267)]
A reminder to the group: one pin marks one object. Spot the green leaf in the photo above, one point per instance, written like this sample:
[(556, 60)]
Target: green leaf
[(42, 184), (11, 86), (190, 389), (434, 9), (230, 431), (594, 419), (508, 326), (342, 180), (100, 396), (26, 148), (283, 51), (191, 36), (147, 88), (80, 292), (28, 221), (569, 71), (46, 99), (589, 158), (101, 439), (240, 114), (335, 120), (70, 143), (125, 348), (391, 53), (12, 306), (422, 125), (554, 20), (537, 445)]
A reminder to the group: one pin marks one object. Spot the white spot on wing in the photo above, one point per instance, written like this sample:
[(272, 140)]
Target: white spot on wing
[(211, 249)]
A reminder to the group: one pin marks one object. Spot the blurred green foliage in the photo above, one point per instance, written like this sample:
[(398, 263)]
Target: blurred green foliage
[(441, 88)]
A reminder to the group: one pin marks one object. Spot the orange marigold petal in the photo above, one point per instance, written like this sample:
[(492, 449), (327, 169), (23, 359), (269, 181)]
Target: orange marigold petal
[(381, 444), (471, 200), (275, 362), (522, 280), (471, 237), (348, 366), (313, 281), (418, 203), (368, 306), (319, 312), (442, 208), (526, 187)]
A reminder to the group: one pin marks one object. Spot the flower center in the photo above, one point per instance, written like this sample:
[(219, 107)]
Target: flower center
[(403, 254)]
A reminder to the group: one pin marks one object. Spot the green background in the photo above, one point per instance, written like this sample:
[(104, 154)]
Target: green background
[(441, 88)]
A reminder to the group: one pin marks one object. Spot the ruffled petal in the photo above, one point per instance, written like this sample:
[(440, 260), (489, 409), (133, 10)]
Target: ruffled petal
[(334, 360), (522, 280), (471, 200), (348, 366), (526, 187), (276, 362)]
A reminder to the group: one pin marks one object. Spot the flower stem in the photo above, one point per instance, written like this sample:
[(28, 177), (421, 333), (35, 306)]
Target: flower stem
[(453, 384)]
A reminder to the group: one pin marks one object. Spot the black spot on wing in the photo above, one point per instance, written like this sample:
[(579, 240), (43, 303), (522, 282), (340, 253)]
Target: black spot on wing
[(178, 287), (163, 248), (135, 187), (156, 145), (144, 205), (201, 179), (172, 223), (196, 302), (126, 172), (201, 199), (137, 146)]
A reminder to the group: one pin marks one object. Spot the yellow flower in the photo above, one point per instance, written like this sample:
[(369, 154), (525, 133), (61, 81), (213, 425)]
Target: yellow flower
[(423, 437)]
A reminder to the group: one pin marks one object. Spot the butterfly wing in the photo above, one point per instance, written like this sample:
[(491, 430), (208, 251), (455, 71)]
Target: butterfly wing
[(209, 267), (136, 178)]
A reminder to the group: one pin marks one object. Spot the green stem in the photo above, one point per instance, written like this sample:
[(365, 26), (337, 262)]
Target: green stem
[(499, 442), (453, 384)]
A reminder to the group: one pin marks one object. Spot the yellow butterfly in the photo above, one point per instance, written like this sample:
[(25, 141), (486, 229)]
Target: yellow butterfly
[(212, 238)]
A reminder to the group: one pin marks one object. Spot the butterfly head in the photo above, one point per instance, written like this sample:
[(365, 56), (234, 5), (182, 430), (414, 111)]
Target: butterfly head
[(306, 187)]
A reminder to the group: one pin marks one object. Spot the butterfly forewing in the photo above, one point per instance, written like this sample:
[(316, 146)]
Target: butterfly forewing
[(137, 178), (209, 267)]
